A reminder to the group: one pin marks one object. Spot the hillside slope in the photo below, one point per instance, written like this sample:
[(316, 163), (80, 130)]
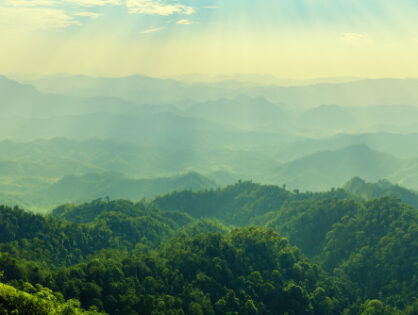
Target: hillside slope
[(327, 169)]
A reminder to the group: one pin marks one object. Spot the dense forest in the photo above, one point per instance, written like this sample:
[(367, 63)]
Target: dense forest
[(208, 157), (243, 249)]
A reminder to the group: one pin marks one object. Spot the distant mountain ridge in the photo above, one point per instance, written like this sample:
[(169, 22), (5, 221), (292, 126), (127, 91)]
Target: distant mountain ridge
[(334, 168), (46, 194), (24, 100), (397, 144), (251, 113), (117, 186), (45, 171), (142, 89), (119, 108)]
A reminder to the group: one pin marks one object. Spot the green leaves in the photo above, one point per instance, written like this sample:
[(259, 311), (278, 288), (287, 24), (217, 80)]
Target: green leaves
[(42, 302), (127, 258)]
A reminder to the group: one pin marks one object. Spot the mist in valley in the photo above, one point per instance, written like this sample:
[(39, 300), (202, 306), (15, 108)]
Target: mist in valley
[(67, 132), (208, 157)]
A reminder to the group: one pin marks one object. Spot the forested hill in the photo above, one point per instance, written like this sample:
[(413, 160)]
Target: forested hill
[(293, 253), (367, 191), (237, 204)]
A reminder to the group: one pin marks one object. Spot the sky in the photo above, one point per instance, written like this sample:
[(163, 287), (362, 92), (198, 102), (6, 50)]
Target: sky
[(299, 39)]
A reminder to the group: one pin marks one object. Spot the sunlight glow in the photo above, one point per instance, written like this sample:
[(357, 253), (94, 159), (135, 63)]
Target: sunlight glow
[(293, 39)]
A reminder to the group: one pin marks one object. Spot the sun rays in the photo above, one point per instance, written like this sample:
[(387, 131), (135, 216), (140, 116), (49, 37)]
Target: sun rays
[(298, 39)]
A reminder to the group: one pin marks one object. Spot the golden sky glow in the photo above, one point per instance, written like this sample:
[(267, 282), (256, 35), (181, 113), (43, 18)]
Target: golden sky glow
[(289, 39)]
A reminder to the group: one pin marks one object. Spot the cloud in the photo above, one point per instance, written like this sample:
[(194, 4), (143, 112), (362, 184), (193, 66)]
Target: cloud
[(28, 3), (36, 18), (39, 3), (47, 14), (153, 30), (92, 3), (185, 22), (91, 15), (156, 7), (354, 38)]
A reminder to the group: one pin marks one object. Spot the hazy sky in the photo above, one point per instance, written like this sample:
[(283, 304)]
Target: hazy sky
[(286, 38)]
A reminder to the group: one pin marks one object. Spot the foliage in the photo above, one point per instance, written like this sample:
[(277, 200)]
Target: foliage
[(376, 248), (105, 226), (180, 255), (235, 204), (41, 301), (247, 270), (369, 191)]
